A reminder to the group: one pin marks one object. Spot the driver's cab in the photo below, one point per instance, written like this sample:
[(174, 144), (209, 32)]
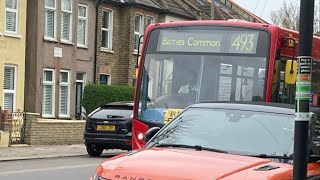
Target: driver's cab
[(171, 82)]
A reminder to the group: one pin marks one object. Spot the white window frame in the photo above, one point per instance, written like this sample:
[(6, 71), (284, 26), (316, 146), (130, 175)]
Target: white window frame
[(109, 79), (53, 92), (150, 17), (86, 30), (70, 26), (16, 11), (14, 91), (55, 21), (68, 99), (84, 80), (109, 29), (141, 29)]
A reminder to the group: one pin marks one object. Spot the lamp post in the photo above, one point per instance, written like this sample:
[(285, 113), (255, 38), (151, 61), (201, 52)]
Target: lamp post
[(303, 87)]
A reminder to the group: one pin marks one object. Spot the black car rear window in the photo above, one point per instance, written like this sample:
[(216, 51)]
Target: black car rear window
[(115, 112)]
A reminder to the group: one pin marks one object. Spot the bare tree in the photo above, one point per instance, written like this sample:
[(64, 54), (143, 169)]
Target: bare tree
[(288, 15), (316, 22)]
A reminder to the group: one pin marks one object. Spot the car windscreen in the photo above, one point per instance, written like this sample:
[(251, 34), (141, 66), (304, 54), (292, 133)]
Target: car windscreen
[(238, 131), (113, 112)]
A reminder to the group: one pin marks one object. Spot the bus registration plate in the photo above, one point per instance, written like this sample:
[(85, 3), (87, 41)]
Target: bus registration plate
[(170, 114)]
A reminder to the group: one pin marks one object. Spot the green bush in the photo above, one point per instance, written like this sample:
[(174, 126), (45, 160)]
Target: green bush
[(96, 95)]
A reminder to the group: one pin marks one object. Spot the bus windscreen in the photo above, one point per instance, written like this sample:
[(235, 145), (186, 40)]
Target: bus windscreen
[(192, 64)]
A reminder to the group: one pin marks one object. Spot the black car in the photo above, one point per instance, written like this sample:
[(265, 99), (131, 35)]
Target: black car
[(109, 127)]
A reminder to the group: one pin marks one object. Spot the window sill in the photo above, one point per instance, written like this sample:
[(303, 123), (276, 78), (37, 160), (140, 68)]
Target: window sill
[(105, 83), (1, 33), (66, 42), (82, 46), (12, 35), (135, 52), (106, 50), (50, 39), (48, 116), (64, 116)]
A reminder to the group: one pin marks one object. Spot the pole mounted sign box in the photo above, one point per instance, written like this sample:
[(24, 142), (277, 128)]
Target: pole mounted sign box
[(303, 88)]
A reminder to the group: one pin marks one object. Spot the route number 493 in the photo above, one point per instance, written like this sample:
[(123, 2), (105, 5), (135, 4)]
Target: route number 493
[(243, 42)]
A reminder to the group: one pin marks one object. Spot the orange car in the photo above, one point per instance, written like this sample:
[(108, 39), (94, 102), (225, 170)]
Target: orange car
[(218, 141)]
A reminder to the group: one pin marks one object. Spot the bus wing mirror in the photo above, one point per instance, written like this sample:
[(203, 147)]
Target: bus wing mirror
[(150, 133), (291, 72)]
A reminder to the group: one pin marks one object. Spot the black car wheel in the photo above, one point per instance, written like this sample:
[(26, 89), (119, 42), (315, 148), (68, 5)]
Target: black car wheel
[(93, 150)]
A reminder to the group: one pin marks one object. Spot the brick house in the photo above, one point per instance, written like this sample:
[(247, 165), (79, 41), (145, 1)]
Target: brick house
[(60, 56), (12, 64), (120, 23)]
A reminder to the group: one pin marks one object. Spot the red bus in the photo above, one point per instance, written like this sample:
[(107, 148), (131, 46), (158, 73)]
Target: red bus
[(182, 63)]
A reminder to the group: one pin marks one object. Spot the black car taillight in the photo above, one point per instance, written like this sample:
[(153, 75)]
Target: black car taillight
[(88, 123)]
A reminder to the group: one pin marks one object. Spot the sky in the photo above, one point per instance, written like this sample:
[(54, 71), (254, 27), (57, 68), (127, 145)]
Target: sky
[(261, 8)]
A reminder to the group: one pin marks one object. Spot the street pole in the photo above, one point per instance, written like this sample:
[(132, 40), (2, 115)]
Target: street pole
[(303, 87), (212, 9)]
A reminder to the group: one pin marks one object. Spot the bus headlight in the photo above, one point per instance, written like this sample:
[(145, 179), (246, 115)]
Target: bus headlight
[(140, 136)]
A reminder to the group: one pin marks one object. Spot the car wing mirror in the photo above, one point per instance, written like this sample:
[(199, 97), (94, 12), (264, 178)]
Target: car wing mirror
[(315, 133)]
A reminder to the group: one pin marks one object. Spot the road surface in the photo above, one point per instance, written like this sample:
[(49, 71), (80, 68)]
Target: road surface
[(67, 168)]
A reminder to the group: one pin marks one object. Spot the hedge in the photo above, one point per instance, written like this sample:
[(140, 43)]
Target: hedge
[(96, 95)]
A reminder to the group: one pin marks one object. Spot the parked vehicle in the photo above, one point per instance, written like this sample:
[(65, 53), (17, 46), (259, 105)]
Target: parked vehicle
[(109, 127), (218, 141)]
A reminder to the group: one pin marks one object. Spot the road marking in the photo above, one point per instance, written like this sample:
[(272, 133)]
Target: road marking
[(48, 169)]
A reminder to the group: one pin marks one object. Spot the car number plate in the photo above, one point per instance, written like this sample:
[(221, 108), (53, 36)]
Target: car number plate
[(170, 114), (106, 127)]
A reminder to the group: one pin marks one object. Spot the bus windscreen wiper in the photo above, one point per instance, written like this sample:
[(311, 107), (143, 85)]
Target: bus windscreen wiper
[(196, 147)]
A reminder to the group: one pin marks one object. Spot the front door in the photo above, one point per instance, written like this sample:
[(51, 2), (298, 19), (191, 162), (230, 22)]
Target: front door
[(79, 87)]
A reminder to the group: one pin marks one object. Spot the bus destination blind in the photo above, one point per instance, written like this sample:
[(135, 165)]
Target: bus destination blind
[(208, 41)]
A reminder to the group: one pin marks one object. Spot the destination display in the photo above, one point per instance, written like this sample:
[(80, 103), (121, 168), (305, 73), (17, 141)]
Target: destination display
[(210, 41)]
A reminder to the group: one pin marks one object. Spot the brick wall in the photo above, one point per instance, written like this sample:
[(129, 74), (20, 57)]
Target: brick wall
[(52, 132), (133, 57), (5, 120), (107, 58)]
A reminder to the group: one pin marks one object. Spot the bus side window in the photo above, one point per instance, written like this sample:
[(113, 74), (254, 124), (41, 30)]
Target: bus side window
[(315, 84)]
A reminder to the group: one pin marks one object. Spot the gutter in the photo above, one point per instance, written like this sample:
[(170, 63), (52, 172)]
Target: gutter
[(98, 3)]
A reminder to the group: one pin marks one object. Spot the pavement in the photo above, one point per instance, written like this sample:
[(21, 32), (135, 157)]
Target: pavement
[(24, 152)]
